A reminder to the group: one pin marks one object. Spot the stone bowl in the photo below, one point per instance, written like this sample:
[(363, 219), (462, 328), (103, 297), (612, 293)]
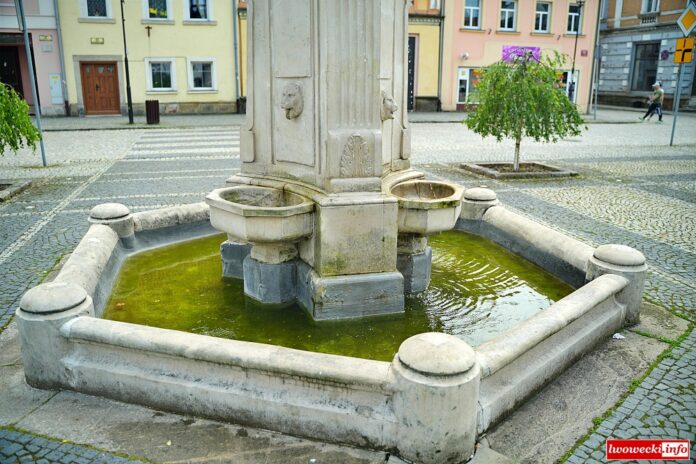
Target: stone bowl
[(427, 207), (261, 214)]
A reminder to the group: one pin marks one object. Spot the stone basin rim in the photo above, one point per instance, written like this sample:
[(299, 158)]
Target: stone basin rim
[(215, 199), (452, 200)]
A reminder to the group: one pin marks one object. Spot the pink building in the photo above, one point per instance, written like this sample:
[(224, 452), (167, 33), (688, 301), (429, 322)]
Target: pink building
[(43, 36), (478, 32)]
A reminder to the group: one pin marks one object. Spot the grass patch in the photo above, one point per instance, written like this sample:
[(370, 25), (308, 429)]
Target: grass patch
[(597, 421)]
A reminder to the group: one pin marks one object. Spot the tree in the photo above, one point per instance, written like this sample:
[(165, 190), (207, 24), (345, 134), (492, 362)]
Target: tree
[(523, 97), (16, 128)]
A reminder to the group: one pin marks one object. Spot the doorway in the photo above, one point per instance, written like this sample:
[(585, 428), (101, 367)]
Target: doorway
[(100, 91), (412, 44), (10, 73)]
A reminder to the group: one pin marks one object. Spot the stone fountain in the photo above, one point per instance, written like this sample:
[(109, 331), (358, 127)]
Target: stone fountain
[(326, 195)]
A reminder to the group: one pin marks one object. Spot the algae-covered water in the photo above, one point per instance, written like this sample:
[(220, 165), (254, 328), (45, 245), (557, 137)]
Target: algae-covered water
[(478, 289)]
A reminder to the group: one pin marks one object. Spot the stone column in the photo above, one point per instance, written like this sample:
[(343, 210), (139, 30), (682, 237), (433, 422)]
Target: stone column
[(414, 261), (437, 379), (626, 262), (476, 201), (233, 254), (42, 312), (118, 217)]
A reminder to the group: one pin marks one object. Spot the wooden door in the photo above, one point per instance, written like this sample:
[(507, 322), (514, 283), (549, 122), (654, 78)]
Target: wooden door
[(10, 73), (100, 88)]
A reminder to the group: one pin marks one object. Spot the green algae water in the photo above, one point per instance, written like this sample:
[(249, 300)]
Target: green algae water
[(478, 289)]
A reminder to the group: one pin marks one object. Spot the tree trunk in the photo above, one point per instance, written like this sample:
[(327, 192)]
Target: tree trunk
[(516, 163)]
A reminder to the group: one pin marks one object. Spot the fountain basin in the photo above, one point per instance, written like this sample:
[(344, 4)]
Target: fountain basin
[(261, 214), (427, 207)]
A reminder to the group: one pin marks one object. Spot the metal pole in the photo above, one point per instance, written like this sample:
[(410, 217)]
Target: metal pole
[(676, 104), (37, 109), (63, 79), (571, 79), (129, 99)]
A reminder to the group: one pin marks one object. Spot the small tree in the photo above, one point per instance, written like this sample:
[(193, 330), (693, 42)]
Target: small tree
[(16, 129), (524, 98)]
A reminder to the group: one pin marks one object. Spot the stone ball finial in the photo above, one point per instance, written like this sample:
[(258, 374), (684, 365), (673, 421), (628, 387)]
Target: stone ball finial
[(480, 194), (52, 297), (619, 255), (437, 354)]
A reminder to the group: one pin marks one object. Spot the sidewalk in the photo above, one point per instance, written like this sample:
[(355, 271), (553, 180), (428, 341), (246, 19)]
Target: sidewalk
[(605, 115)]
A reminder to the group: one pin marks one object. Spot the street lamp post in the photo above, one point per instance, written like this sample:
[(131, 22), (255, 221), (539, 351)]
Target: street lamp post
[(125, 63), (571, 78)]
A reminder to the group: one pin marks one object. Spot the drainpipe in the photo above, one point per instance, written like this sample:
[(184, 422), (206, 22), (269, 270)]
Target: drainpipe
[(64, 78), (439, 58), (595, 63), (236, 58)]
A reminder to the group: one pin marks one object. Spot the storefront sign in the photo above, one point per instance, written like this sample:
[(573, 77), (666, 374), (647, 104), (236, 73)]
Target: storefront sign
[(513, 52)]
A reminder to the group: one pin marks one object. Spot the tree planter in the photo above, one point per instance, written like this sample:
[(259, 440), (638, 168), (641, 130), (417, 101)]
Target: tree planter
[(527, 170)]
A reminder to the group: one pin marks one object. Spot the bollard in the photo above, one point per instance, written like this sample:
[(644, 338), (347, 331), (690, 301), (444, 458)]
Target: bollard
[(437, 381), (42, 312), (118, 217), (626, 262)]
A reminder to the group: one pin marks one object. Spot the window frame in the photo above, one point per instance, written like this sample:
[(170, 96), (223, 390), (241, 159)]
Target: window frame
[(84, 11), (479, 8), (578, 22), (644, 6), (548, 14), (148, 74), (213, 74), (146, 12), (514, 16), (209, 8), (634, 60)]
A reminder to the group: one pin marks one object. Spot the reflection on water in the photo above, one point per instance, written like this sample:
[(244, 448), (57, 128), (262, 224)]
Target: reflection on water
[(477, 290)]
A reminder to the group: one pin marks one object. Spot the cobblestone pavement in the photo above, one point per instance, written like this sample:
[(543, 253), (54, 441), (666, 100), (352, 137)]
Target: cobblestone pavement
[(664, 405), (627, 192), (17, 447)]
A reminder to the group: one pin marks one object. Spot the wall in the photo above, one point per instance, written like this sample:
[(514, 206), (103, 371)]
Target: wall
[(428, 57), (173, 39), (484, 46), (41, 24)]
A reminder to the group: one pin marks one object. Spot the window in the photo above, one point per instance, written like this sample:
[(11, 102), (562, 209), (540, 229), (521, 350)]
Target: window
[(202, 74), (161, 74), (574, 19), (541, 20), (645, 65), (95, 9), (651, 6), (434, 4), (198, 9), (563, 77), (472, 14), (158, 9), (469, 79), (507, 15)]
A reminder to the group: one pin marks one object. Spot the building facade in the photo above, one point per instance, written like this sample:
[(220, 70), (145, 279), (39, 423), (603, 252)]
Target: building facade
[(45, 48), (425, 23), (179, 53), (479, 32), (638, 39)]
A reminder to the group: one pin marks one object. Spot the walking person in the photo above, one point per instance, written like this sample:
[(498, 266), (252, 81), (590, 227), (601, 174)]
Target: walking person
[(655, 102)]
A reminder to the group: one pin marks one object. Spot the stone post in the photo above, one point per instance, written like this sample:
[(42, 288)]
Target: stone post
[(414, 261), (233, 253), (270, 272), (476, 201), (118, 217), (626, 262), (437, 380), (42, 311)]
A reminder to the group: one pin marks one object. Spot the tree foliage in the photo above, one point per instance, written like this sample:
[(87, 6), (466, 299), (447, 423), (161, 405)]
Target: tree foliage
[(16, 128), (524, 98)]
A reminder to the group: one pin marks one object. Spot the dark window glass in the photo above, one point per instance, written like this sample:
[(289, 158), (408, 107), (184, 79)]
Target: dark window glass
[(198, 9), (645, 66), (158, 9), (202, 75), (96, 8), (161, 75)]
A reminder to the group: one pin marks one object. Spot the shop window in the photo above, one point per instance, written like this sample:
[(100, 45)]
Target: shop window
[(469, 79)]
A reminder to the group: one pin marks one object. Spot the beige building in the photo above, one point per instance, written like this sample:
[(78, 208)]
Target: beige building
[(179, 52)]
